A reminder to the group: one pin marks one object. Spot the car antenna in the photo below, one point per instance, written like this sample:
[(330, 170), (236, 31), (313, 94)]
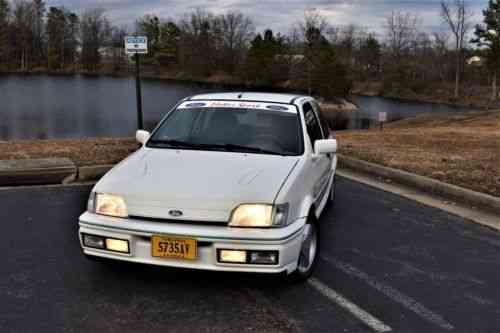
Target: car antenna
[(240, 95)]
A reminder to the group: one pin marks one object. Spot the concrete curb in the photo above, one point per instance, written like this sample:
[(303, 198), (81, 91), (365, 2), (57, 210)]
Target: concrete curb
[(37, 171), (425, 184), (48, 171)]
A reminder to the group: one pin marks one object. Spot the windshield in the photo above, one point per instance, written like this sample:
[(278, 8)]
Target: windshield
[(230, 129)]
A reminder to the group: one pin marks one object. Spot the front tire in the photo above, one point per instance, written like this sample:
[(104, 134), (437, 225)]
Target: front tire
[(309, 253)]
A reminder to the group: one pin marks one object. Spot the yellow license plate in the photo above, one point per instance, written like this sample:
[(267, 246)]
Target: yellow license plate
[(174, 247)]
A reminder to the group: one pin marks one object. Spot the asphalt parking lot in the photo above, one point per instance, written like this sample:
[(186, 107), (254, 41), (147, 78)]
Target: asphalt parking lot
[(387, 264)]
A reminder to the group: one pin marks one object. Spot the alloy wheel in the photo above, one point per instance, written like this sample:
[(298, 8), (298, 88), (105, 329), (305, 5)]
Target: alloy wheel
[(309, 248)]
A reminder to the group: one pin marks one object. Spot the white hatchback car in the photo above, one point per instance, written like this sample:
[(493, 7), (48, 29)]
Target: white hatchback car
[(226, 182)]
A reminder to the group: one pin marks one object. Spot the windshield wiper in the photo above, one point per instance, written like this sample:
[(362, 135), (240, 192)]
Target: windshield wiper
[(175, 143), (233, 147), (225, 147)]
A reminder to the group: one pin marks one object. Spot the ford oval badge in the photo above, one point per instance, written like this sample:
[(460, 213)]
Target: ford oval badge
[(175, 213), (277, 108), (195, 105)]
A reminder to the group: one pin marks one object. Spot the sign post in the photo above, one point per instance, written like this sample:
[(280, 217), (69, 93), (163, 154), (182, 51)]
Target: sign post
[(382, 118), (138, 91), (137, 45)]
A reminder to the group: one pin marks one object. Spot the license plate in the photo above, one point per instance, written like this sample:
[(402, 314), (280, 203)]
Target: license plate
[(174, 247)]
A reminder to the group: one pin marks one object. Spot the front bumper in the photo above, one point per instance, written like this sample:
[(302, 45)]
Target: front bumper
[(286, 241)]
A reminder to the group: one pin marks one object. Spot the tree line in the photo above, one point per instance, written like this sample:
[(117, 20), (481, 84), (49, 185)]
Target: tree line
[(315, 55)]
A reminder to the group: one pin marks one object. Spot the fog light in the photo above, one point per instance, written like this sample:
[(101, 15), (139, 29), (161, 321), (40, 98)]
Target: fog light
[(117, 245), (233, 256), (96, 242), (264, 257)]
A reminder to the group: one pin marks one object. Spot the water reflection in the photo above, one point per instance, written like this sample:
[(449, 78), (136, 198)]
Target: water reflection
[(41, 107), (36, 107)]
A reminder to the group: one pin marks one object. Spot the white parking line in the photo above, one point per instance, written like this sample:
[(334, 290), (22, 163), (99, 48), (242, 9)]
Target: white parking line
[(398, 297), (355, 310)]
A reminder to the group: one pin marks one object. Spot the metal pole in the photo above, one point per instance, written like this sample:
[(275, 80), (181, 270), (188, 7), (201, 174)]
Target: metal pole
[(140, 121)]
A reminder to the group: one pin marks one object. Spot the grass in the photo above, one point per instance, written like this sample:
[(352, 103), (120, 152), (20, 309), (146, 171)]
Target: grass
[(460, 149), (82, 151)]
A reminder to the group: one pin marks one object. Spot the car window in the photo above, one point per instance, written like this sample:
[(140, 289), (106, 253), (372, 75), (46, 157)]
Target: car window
[(269, 130), (312, 123), (322, 121)]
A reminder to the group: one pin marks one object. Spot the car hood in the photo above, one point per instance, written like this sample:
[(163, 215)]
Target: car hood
[(203, 185)]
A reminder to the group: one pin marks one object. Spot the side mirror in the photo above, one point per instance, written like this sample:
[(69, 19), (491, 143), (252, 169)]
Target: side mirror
[(323, 147), (142, 136)]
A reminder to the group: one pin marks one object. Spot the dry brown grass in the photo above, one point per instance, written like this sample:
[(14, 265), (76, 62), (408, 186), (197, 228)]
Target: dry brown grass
[(82, 152), (460, 149)]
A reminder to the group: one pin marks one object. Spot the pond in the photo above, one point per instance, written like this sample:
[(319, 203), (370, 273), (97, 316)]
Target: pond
[(47, 107), (369, 108)]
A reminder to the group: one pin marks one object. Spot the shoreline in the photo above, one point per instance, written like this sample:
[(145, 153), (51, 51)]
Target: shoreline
[(160, 77), (472, 97), (403, 99), (234, 84)]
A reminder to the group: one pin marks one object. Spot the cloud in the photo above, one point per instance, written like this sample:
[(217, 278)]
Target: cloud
[(276, 14)]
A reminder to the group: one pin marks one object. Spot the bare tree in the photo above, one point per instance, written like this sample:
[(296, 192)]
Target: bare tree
[(440, 47), (22, 17), (37, 29), (312, 31), (401, 29), (348, 39), (369, 57), (236, 33), (326, 75), (456, 14), (95, 34), (118, 57), (198, 44)]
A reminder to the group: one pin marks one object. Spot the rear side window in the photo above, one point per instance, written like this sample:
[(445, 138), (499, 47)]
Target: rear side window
[(312, 124), (323, 122)]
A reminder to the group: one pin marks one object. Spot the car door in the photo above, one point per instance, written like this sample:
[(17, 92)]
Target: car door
[(320, 165)]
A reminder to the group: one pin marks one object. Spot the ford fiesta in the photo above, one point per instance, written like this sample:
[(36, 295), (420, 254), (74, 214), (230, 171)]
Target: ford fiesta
[(226, 182)]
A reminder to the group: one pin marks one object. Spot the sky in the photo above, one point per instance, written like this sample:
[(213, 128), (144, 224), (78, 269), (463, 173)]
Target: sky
[(278, 15)]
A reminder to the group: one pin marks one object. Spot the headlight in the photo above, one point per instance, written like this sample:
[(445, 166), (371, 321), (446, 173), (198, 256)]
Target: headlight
[(107, 204), (259, 216)]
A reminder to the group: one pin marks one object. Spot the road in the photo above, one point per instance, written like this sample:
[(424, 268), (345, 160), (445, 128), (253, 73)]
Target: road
[(387, 264)]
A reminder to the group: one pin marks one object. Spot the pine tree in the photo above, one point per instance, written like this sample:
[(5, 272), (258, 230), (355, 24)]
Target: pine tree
[(4, 38), (37, 28), (56, 23), (370, 54), (264, 58), (488, 37)]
